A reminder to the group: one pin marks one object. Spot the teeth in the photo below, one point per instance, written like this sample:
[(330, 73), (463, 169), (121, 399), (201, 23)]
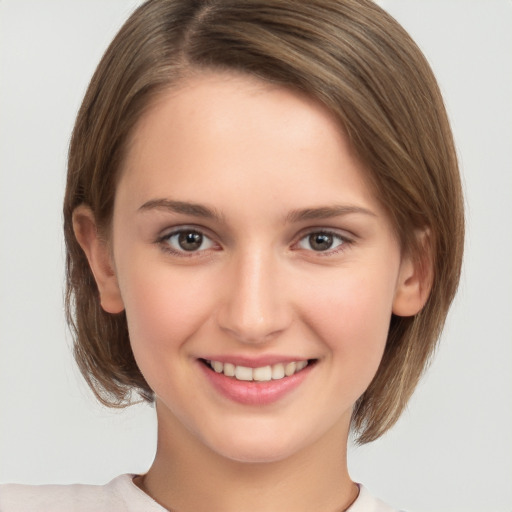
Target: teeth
[(301, 365), (278, 371), (289, 369), (243, 373), (261, 374), (217, 366), (229, 369)]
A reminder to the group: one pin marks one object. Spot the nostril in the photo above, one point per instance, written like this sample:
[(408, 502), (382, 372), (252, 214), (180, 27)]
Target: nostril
[(253, 334)]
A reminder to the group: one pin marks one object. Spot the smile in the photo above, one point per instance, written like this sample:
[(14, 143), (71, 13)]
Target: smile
[(261, 374), (253, 385)]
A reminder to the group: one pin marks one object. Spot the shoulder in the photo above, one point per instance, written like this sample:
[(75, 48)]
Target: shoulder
[(365, 502), (119, 495)]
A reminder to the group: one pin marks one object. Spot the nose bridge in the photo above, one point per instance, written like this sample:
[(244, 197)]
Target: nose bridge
[(254, 309)]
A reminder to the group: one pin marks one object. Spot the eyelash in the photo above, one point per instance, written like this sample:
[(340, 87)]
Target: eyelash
[(163, 242), (345, 241)]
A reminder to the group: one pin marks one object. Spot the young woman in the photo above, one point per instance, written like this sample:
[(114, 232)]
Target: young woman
[(264, 227)]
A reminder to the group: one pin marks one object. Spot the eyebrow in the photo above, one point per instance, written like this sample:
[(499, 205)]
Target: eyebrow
[(326, 212), (194, 209), (200, 210)]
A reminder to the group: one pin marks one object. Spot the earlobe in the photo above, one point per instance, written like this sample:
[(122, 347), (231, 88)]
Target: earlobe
[(415, 279), (98, 255)]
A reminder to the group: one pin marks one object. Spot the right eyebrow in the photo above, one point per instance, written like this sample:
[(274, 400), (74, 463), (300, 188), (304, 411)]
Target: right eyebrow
[(326, 212), (194, 209)]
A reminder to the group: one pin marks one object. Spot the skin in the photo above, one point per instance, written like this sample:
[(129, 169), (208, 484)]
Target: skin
[(273, 166)]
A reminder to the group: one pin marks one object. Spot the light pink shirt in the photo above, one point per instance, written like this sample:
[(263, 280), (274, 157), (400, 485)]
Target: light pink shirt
[(120, 495)]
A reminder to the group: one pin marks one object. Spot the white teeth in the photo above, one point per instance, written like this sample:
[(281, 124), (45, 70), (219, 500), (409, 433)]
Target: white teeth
[(301, 365), (217, 366), (290, 369), (277, 371), (261, 374), (243, 373), (229, 369)]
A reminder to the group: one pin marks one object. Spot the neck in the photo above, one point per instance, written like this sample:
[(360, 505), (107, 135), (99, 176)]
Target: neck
[(188, 476)]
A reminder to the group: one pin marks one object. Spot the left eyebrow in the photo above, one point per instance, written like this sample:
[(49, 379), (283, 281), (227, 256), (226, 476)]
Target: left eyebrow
[(326, 212), (184, 207)]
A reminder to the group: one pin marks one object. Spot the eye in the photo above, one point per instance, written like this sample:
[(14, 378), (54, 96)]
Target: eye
[(187, 240), (321, 241)]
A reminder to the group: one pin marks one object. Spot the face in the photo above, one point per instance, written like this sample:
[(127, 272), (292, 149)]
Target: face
[(257, 269)]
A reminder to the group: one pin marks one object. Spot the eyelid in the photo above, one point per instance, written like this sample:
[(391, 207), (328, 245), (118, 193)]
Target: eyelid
[(167, 234), (172, 230), (346, 239)]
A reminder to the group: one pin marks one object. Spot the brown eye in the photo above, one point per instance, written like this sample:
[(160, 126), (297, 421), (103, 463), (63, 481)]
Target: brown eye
[(190, 240), (320, 241), (187, 241)]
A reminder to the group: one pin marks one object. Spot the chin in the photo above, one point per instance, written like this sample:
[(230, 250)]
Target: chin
[(253, 447), (255, 455)]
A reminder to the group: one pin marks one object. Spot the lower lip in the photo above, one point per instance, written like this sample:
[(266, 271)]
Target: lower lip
[(252, 392)]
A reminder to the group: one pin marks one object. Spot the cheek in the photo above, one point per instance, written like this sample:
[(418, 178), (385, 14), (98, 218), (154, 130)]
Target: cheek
[(352, 319), (164, 308)]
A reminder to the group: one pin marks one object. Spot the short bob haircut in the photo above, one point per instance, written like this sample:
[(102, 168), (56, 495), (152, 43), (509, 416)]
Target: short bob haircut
[(350, 56)]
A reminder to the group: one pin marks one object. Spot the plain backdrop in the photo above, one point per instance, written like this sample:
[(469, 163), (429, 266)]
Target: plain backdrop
[(451, 450)]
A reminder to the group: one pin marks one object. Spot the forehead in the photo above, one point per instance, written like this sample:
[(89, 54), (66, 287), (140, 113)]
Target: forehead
[(221, 132)]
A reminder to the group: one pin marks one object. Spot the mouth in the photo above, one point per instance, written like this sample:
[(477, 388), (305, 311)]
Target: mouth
[(252, 385), (266, 373)]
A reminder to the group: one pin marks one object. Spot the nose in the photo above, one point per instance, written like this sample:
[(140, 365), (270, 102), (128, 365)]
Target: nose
[(254, 308)]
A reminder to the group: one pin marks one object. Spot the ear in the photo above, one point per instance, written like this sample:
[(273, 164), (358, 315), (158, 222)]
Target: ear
[(415, 277), (100, 260)]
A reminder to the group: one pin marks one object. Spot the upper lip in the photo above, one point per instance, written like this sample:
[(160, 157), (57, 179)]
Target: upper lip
[(255, 362)]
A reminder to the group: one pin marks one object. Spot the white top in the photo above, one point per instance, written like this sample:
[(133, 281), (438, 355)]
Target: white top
[(120, 495)]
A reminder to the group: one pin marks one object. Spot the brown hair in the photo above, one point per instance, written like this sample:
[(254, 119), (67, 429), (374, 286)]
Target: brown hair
[(349, 55)]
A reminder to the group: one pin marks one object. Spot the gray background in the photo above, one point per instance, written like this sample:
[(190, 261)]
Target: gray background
[(452, 449)]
